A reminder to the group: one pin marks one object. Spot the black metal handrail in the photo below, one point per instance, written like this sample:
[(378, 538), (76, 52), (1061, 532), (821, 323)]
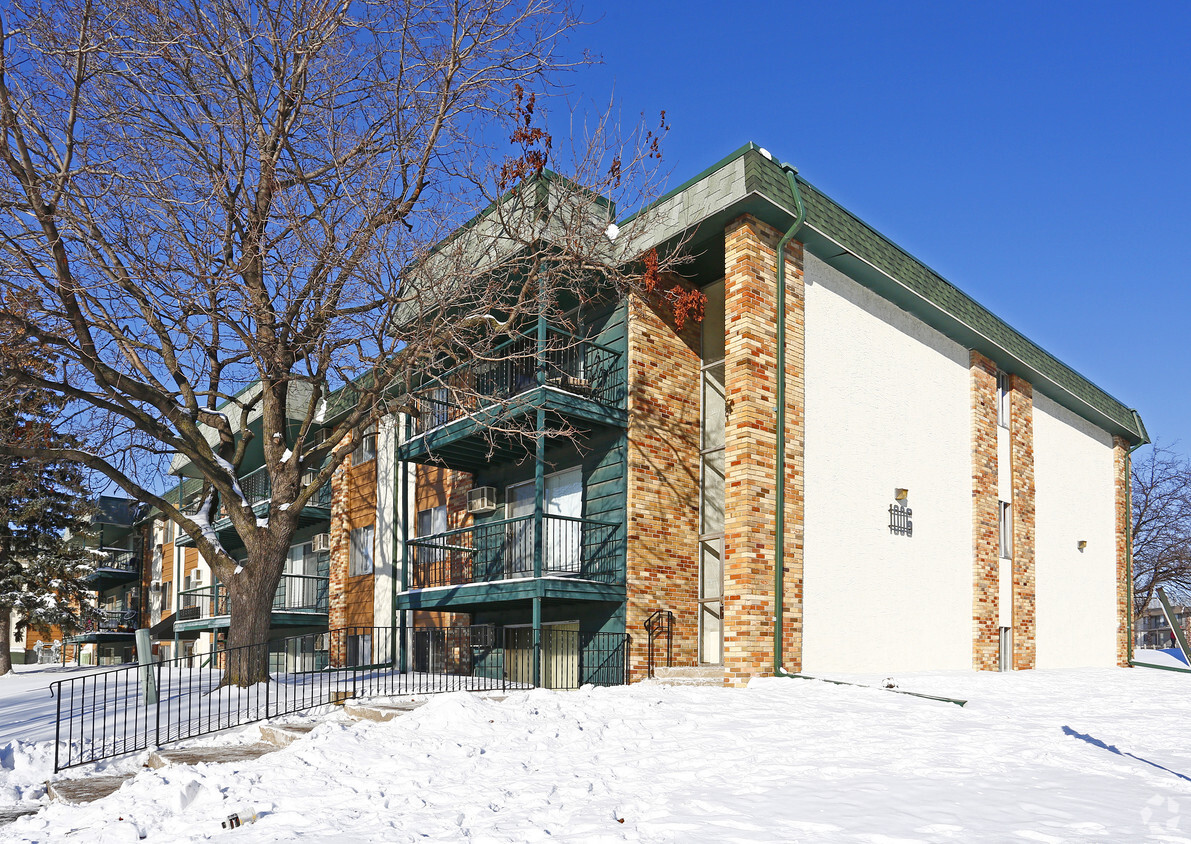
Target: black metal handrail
[(659, 623), (504, 549), (567, 362), (128, 709)]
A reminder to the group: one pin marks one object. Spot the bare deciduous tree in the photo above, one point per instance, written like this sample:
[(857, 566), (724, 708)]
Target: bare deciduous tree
[(1161, 487), (216, 213)]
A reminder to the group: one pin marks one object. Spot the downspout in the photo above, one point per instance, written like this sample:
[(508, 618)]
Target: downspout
[(779, 540)]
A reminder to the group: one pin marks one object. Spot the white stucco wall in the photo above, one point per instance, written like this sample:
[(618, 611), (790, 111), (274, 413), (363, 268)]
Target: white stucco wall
[(887, 406), (382, 571), (1074, 500)]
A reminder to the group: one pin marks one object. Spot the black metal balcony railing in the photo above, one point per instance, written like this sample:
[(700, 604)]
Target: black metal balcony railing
[(577, 366), (295, 593), (258, 488), (503, 550), (118, 559), (111, 621)]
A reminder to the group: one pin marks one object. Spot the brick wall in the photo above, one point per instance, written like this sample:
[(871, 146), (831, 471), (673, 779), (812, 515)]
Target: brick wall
[(663, 479), (985, 542), (1021, 461), (353, 506), (1120, 465), (750, 454)]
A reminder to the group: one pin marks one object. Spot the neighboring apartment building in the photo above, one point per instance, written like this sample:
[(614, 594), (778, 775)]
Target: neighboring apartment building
[(116, 583), (1152, 629), (941, 470)]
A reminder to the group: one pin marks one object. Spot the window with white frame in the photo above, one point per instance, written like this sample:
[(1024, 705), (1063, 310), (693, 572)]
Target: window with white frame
[(360, 558), (366, 449), (1005, 528), (1003, 399)]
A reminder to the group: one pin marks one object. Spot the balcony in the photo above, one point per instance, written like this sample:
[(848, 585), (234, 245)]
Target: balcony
[(257, 488), (300, 600), (108, 625), (113, 567), (577, 382), (494, 561)]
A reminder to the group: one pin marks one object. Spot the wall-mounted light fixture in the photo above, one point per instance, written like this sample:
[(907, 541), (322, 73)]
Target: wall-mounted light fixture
[(901, 494), (1083, 543)]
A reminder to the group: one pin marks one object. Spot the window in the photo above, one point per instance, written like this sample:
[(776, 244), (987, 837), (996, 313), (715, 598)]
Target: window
[(366, 450), (1003, 399), (360, 559), (1005, 529), (168, 532), (167, 598), (711, 480)]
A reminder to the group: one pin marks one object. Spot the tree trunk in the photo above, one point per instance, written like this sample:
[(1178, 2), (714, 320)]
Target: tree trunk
[(5, 640), (250, 605)]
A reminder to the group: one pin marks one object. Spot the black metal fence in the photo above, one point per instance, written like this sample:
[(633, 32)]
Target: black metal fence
[(503, 549), (108, 714)]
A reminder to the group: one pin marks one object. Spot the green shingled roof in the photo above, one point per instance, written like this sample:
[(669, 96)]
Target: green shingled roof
[(840, 238)]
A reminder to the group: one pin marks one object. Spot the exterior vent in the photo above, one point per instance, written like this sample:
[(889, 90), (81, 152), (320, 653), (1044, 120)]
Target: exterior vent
[(155, 586), (482, 500), (321, 542)]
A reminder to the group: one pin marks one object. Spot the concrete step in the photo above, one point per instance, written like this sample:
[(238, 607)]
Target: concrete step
[(85, 789), (210, 755), (692, 675), (7, 816), (379, 711), (283, 735)]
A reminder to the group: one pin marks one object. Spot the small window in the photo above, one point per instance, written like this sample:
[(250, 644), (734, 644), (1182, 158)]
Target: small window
[(360, 558), (168, 532), (1005, 529), (1003, 399), (366, 450)]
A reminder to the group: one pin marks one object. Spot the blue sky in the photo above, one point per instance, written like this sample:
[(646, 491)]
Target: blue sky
[(1036, 155)]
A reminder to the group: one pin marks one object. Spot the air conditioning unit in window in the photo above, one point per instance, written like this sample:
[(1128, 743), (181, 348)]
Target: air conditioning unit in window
[(482, 500), (321, 542)]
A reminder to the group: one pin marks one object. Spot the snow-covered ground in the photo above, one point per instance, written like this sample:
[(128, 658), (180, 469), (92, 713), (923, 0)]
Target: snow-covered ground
[(1034, 756)]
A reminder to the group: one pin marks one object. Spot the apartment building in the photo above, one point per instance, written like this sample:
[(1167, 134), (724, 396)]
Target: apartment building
[(936, 467)]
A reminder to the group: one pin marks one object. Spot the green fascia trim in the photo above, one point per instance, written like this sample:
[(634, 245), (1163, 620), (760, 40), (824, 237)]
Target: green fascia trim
[(423, 447), (99, 638), (503, 591), (843, 240), (276, 619), (102, 580)]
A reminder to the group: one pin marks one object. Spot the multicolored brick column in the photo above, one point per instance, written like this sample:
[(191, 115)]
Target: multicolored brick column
[(1021, 462), (663, 480), (750, 450), (985, 541), (1120, 466)]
